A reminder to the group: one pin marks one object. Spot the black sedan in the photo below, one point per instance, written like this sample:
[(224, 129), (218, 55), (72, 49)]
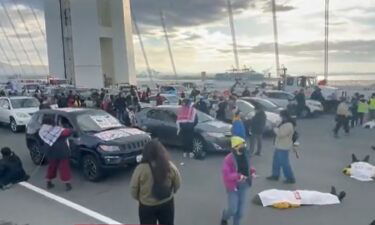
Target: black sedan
[(264, 104), (210, 134), (99, 141)]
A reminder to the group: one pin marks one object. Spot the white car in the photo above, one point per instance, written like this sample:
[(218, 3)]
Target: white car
[(17, 111), (282, 99)]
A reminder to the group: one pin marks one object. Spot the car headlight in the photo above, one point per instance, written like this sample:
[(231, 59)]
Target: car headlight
[(22, 115), (215, 134), (109, 148)]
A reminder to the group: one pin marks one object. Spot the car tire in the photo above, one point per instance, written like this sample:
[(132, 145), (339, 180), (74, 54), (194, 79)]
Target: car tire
[(305, 112), (199, 147), (36, 154), (13, 126), (91, 168)]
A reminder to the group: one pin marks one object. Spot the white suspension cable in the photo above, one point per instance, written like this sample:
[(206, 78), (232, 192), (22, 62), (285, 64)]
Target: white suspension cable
[(142, 48), (233, 32), (11, 45), (17, 35), (8, 61), (29, 34), (276, 38), (36, 18)]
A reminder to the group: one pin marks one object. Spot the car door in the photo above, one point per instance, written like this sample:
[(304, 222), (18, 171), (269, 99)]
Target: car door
[(153, 122), (5, 110), (169, 129), (2, 110), (279, 98)]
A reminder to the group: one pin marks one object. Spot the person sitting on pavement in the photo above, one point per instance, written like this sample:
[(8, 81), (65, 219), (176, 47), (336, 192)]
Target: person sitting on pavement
[(284, 199), (11, 169), (360, 170)]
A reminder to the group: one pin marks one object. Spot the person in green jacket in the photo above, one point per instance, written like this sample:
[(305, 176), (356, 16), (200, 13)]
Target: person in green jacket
[(153, 185), (363, 109)]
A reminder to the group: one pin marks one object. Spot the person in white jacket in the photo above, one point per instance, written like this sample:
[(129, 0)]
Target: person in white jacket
[(283, 144)]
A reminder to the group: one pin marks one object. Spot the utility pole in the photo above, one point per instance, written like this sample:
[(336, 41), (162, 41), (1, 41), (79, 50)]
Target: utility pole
[(233, 31), (326, 40), (276, 37)]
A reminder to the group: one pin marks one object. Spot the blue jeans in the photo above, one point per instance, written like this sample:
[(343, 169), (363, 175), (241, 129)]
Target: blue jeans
[(281, 161), (236, 203)]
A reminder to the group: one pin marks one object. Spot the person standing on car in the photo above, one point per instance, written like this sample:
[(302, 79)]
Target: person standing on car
[(256, 126), (154, 183), (283, 144), (57, 152), (301, 102), (342, 117), (187, 119), (11, 169), (236, 173)]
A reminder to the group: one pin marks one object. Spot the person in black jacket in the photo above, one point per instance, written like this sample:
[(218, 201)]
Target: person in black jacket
[(256, 127), (120, 107), (201, 105), (62, 101), (301, 102), (11, 169)]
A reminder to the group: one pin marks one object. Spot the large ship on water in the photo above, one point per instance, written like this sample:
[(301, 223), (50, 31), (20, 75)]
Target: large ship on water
[(246, 74)]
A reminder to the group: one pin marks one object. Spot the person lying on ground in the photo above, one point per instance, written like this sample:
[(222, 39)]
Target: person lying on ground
[(360, 170), (11, 169), (284, 199)]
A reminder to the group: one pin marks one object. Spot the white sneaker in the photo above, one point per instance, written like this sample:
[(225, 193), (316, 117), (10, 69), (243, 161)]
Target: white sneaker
[(185, 155), (191, 155)]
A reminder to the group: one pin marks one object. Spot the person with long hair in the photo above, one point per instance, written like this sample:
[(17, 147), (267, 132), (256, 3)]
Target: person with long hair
[(283, 144), (154, 183), (187, 119)]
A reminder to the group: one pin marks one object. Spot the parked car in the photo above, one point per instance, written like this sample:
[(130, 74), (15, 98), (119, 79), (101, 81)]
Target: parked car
[(99, 141), (282, 99), (210, 135), (17, 111), (264, 104), (247, 111)]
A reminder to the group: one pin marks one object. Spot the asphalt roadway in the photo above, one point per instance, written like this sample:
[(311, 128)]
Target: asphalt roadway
[(202, 197)]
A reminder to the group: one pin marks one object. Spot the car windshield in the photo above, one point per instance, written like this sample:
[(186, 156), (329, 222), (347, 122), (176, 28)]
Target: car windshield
[(172, 99), (267, 104), (96, 121), (25, 103)]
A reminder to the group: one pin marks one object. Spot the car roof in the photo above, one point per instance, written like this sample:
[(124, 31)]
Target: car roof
[(18, 97), (276, 91), (68, 111)]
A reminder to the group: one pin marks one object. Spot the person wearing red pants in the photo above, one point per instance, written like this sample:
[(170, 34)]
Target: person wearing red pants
[(57, 153)]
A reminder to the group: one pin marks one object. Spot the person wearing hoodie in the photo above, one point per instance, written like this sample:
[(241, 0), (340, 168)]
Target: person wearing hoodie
[(283, 144), (257, 125), (238, 127), (11, 169), (237, 178)]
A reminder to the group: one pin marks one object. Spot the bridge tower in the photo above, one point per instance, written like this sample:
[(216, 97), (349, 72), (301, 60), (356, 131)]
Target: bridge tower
[(90, 42)]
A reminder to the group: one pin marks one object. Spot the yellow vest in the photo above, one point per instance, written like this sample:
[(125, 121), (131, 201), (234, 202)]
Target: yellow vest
[(372, 103), (363, 107)]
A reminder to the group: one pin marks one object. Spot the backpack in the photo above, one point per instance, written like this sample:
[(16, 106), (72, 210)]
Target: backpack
[(160, 191)]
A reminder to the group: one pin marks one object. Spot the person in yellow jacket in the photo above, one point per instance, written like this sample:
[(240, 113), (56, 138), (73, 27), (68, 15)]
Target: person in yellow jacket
[(372, 107), (363, 109)]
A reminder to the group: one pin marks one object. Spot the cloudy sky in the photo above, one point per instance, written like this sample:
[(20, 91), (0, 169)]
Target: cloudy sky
[(201, 40)]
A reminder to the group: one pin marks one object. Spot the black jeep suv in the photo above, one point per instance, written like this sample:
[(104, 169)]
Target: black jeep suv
[(99, 141)]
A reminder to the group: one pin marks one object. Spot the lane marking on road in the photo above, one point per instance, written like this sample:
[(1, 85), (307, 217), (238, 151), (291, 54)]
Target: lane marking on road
[(70, 204)]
